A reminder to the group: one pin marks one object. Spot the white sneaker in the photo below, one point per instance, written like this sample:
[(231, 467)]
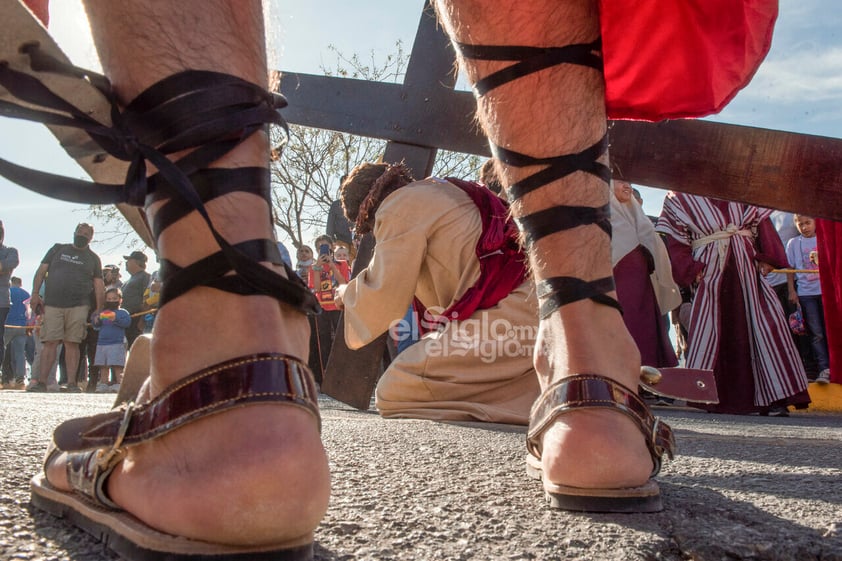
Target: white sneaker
[(823, 377), (103, 388), (114, 388)]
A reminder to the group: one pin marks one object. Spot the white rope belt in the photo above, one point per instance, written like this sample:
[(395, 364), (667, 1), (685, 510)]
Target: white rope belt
[(722, 239)]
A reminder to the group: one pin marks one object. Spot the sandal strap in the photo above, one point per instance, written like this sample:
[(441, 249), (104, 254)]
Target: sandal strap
[(556, 292), (527, 60), (585, 391), (260, 378), (89, 477)]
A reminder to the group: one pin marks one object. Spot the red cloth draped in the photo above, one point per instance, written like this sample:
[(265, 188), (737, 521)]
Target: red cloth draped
[(829, 243), (41, 9), (502, 264), (668, 59)]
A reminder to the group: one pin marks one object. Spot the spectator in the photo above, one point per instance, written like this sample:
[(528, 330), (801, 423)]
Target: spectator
[(784, 224), (645, 287), (111, 322), (338, 227), (304, 257), (323, 277), (284, 254), (802, 253), (74, 273), (9, 259), (152, 298), (737, 327), (133, 291), (14, 340), (111, 277)]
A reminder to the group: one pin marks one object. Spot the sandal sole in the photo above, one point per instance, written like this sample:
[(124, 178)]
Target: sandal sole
[(135, 541), (643, 499)]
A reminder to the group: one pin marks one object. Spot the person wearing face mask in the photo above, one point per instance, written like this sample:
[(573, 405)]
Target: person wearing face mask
[(111, 322), (74, 272), (8, 261)]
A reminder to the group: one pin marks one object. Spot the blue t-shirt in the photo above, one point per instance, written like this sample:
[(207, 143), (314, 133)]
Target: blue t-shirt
[(17, 311), (112, 331), (798, 252)]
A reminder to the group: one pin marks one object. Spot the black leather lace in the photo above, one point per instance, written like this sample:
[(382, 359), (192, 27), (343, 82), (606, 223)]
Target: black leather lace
[(556, 291), (205, 113)]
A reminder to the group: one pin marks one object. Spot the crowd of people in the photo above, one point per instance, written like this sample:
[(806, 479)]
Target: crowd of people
[(762, 354), (204, 76), (74, 329), (697, 263)]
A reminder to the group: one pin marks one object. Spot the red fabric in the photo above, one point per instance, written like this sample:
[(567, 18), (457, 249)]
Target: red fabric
[(829, 243), (668, 59), (323, 284), (502, 264), (640, 309), (41, 9)]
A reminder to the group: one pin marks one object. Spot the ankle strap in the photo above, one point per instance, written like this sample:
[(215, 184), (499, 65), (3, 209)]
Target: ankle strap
[(260, 378)]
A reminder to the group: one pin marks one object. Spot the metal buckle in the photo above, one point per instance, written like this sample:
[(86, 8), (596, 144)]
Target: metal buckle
[(107, 458)]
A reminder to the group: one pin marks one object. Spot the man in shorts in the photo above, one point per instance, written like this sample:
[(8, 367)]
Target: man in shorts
[(74, 272)]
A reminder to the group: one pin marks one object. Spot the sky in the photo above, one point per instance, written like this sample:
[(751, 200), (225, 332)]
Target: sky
[(798, 88)]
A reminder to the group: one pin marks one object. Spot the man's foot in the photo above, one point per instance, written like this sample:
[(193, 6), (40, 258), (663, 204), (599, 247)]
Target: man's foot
[(265, 464), (609, 449), (69, 388), (777, 411), (37, 387), (823, 377)]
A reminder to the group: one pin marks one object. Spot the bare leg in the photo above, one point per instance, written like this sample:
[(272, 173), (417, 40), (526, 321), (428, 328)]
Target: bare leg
[(49, 350), (103, 374), (71, 361), (253, 475), (558, 111)]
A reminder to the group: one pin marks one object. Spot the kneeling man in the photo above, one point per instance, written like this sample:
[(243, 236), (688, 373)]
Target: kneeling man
[(449, 248)]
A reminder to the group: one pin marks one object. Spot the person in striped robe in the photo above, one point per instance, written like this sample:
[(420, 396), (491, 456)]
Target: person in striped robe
[(737, 326)]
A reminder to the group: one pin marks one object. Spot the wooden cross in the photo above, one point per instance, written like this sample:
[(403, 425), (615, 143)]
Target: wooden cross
[(768, 168)]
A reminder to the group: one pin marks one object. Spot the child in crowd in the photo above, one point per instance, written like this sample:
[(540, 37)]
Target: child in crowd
[(151, 298), (805, 290), (111, 323), (304, 261)]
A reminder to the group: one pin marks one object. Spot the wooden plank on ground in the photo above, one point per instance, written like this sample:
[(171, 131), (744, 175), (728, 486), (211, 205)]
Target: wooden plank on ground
[(20, 27)]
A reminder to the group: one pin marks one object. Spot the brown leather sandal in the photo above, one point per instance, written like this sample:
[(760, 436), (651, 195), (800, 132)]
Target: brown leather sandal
[(197, 117), (96, 445), (590, 391)]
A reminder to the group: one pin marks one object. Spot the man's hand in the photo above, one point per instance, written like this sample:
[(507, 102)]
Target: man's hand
[(36, 304), (764, 268)]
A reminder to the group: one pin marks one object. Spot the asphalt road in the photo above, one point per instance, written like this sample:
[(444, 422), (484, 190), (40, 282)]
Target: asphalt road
[(741, 488)]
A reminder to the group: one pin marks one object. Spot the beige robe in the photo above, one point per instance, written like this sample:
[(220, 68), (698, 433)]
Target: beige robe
[(479, 369)]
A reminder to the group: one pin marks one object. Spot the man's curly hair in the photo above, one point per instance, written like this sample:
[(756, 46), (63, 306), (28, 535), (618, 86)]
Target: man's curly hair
[(365, 188)]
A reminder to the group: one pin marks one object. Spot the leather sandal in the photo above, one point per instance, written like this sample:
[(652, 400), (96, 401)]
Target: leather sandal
[(96, 445), (587, 391), (203, 115)]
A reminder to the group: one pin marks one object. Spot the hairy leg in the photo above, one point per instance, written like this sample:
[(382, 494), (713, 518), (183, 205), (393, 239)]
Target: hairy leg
[(49, 350), (71, 361), (560, 110), (198, 472)]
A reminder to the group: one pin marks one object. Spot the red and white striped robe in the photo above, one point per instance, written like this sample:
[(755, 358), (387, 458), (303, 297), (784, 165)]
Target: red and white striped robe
[(773, 355)]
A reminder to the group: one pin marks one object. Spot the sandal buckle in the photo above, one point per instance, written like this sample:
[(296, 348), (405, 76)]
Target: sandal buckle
[(106, 459)]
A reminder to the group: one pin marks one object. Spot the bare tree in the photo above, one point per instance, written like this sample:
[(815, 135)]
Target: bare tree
[(306, 178)]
